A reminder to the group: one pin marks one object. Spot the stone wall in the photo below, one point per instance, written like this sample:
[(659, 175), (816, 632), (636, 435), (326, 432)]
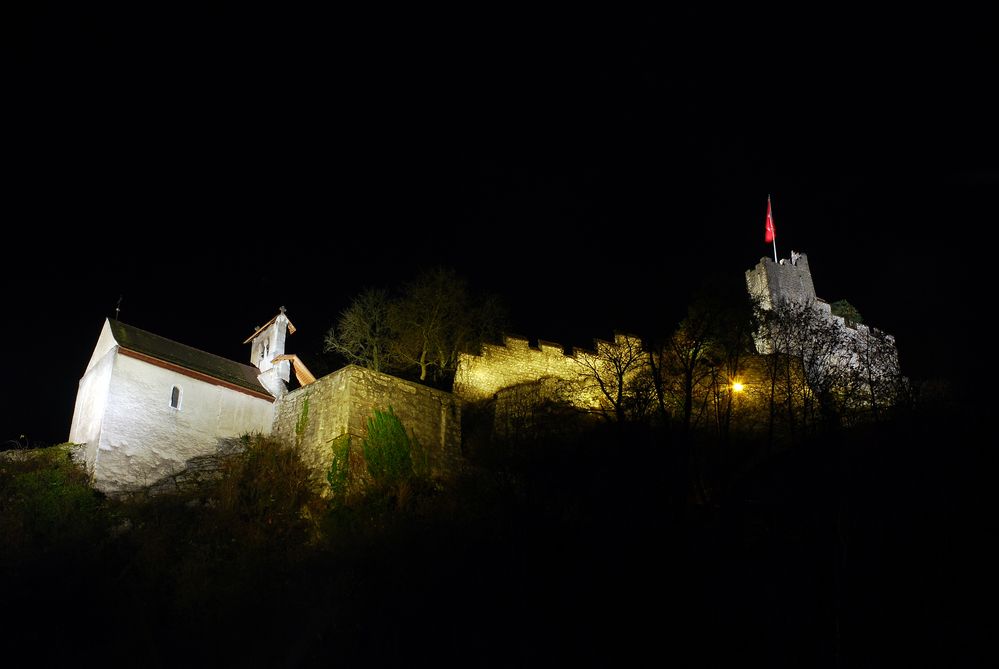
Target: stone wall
[(864, 358), (480, 377), (315, 417), (791, 279), (516, 363)]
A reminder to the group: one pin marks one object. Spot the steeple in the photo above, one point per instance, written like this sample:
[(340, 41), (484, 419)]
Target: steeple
[(266, 344)]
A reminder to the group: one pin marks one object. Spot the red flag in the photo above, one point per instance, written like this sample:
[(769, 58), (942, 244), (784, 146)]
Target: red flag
[(769, 237)]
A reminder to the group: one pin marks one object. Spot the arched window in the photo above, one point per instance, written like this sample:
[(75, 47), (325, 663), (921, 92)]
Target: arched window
[(175, 397)]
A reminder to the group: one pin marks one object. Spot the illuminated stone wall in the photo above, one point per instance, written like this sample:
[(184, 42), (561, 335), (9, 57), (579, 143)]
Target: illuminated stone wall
[(315, 417), (790, 279), (481, 376), (860, 347), (515, 363)]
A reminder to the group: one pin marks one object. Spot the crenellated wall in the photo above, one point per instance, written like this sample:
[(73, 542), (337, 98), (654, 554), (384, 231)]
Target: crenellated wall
[(316, 416), (515, 363), (790, 278)]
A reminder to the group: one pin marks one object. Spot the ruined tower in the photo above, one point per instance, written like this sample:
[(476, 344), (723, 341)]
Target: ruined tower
[(788, 280), (856, 348)]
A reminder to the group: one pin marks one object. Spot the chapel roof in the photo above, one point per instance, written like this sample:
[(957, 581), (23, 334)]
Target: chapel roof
[(174, 353)]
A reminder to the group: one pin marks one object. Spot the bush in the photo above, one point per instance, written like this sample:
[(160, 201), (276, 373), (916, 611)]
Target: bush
[(387, 449), (47, 505), (266, 492)]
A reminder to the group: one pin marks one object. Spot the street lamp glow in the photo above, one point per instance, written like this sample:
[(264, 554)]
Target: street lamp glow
[(737, 387)]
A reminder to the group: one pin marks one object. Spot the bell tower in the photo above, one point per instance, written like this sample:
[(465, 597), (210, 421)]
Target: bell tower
[(266, 344)]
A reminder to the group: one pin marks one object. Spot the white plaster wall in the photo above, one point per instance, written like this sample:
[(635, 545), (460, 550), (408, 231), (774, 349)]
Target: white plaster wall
[(259, 358), (144, 439), (105, 342), (268, 345), (91, 402)]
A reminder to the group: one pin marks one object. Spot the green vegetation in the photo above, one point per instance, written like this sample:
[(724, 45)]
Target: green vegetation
[(303, 420), (846, 311), (253, 570), (339, 474), (264, 492), (47, 504), (387, 449)]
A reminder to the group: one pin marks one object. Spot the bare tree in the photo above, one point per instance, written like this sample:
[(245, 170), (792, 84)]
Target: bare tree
[(876, 374), (728, 348), (435, 319), (657, 381), (819, 345), (808, 360), (685, 361), (362, 334), (614, 374)]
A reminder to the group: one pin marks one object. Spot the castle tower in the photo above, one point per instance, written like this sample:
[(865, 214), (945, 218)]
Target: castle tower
[(266, 344), (789, 280)]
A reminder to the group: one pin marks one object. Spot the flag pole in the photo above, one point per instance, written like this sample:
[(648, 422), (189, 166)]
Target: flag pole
[(770, 212)]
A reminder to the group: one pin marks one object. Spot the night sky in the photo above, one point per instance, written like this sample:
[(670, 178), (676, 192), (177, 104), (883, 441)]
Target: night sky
[(210, 166)]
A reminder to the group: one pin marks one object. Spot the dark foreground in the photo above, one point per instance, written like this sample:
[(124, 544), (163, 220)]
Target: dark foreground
[(859, 549)]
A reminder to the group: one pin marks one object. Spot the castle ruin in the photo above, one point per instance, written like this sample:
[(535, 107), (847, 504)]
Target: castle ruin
[(147, 406), (835, 352)]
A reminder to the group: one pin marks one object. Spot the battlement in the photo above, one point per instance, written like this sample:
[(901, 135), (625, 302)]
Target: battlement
[(514, 362), (789, 280)]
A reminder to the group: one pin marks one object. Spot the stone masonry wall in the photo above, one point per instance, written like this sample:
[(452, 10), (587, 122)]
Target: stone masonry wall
[(317, 415), (862, 347), (791, 279), (480, 377), (312, 418), (515, 363)]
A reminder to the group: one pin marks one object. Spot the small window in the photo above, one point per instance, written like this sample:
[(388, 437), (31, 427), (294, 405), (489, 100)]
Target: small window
[(175, 397)]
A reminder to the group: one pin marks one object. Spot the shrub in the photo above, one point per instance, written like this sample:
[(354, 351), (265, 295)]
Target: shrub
[(387, 449), (47, 504), (266, 491)]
